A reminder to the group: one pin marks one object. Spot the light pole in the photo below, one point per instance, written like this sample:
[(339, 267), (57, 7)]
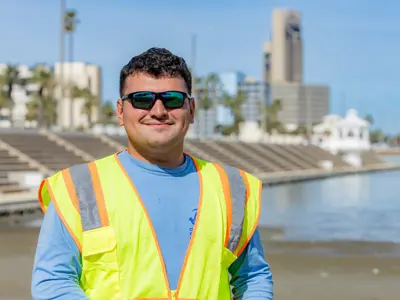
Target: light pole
[(193, 46), (70, 22), (62, 49)]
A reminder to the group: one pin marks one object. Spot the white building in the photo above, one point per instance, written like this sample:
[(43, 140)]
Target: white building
[(205, 122), (81, 74), (21, 95), (348, 136)]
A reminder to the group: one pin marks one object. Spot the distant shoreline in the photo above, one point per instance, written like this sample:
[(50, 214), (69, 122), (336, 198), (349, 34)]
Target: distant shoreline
[(276, 178)]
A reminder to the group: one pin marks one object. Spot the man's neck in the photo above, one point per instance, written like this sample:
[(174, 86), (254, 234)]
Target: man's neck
[(172, 159)]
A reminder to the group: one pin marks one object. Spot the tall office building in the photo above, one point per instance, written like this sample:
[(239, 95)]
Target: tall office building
[(302, 104), (286, 47), (254, 92)]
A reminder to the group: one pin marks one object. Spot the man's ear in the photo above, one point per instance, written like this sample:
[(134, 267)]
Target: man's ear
[(192, 109), (120, 112)]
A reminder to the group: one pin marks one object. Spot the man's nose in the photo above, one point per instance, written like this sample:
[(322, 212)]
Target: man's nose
[(158, 110)]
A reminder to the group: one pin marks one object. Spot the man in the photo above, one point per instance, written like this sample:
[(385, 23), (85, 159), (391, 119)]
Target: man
[(151, 222)]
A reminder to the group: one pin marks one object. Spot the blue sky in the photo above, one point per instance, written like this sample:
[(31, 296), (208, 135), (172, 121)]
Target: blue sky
[(353, 46)]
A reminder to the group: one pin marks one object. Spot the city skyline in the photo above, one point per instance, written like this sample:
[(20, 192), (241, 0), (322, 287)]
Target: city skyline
[(343, 47)]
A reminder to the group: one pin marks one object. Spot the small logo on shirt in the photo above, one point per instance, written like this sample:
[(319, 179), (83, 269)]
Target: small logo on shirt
[(192, 220)]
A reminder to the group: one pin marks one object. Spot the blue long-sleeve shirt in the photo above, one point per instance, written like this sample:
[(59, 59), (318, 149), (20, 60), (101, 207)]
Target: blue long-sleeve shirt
[(57, 266)]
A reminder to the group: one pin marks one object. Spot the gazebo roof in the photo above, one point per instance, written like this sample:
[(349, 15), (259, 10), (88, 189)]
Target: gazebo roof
[(334, 121), (352, 120)]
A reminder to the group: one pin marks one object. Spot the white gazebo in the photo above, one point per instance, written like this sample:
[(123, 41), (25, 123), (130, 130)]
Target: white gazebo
[(348, 136)]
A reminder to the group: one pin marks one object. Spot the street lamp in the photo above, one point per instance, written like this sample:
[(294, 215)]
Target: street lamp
[(70, 22), (62, 49)]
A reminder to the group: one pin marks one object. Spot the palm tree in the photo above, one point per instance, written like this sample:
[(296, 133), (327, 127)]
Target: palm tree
[(204, 92), (377, 136), (213, 84), (272, 112), (32, 110), (45, 109), (90, 101), (43, 104), (369, 118), (3, 95), (108, 112), (10, 77), (234, 103), (205, 102)]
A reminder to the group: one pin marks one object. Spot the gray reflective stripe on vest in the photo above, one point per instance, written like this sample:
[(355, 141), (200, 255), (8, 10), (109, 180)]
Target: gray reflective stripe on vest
[(238, 195), (89, 211)]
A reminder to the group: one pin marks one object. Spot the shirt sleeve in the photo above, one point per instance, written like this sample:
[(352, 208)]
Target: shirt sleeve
[(251, 274), (57, 266)]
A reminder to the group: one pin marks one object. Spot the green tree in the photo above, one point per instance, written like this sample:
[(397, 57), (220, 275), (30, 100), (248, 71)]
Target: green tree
[(43, 106), (234, 103), (4, 103), (89, 103), (369, 118), (300, 130), (213, 84), (10, 77), (32, 109), (272, 112), (108, 112), (376, 136), (207, 91), (49, 107), (204, 101)]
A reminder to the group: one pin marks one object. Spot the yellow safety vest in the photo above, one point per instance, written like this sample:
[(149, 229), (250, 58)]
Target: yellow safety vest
[(121, 259)]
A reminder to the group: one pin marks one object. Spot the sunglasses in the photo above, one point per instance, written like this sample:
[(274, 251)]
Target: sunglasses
[(146, 100)]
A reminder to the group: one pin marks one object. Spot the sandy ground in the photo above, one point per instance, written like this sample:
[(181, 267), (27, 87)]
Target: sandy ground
[(301, 270)]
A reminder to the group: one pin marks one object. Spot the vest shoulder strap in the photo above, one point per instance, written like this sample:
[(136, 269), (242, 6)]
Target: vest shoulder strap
[(244, 207), (85, 179)]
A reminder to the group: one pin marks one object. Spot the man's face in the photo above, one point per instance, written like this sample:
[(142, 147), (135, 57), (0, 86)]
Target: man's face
[(157, 128)]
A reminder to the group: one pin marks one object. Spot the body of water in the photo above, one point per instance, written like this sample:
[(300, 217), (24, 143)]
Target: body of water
[(363, 207)]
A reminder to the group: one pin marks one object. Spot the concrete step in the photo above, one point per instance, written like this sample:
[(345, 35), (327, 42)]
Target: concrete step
[(11, 161), (12, 189), (15, 167)]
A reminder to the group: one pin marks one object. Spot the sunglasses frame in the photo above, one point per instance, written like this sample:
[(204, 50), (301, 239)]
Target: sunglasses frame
[(157, 96)]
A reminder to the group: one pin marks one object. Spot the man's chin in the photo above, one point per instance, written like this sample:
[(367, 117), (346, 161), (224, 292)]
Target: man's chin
[(161, 142)]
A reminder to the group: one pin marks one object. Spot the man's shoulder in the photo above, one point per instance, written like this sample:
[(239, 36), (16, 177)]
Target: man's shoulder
[(232, 169), (81, 168)]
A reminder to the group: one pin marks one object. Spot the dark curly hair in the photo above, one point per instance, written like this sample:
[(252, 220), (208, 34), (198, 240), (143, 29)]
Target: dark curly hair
[(157, 62)]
